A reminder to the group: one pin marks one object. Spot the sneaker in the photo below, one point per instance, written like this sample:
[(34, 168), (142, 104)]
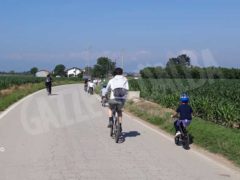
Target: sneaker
[(177, 134)]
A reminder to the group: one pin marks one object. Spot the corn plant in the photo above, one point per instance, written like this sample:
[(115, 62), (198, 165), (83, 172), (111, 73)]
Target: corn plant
[(217, 101)]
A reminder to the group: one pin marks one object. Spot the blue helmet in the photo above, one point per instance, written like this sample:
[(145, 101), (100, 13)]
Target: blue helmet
[(184, 98)]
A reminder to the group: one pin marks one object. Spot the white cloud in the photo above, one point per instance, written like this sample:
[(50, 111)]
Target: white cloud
[(208, 58)]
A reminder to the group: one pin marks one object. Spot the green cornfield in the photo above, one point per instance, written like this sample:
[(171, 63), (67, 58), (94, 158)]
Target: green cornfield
[(213, 100), (8, 81)]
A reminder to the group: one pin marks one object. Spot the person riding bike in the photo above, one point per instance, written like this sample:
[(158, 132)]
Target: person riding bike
[(90, 86), (103, 93), (48, 84), (85, 85), (185, 111), (118, 87)]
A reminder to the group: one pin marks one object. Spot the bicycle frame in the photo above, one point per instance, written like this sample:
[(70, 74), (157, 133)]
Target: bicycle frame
[(182, 129), (184, 137)]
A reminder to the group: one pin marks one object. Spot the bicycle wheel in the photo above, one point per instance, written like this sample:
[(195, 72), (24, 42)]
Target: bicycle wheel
[(117, 133), (112, 128), (177, 141)]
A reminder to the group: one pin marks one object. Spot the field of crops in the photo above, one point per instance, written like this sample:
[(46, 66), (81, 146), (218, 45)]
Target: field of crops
[(213, 100), (8, 81)]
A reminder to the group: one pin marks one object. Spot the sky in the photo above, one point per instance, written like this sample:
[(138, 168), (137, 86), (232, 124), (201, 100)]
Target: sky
[(134, 33)]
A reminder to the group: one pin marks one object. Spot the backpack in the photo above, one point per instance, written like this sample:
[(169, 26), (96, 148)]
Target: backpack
[(119, 92), (48, 79)]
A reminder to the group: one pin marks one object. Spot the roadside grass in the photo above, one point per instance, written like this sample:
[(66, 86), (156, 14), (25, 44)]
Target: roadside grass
[(215, 138), (13, 94), (18, 93)]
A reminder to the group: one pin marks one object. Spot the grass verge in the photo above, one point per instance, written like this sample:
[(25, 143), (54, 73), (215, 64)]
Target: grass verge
[(16, 93), (217, 139)]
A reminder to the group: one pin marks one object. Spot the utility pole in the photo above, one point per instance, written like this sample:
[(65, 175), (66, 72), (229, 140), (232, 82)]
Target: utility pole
[(88, 59), (122, 57)]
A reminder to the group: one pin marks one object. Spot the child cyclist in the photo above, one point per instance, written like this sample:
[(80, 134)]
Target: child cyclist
[(104, 93), (184, 111)]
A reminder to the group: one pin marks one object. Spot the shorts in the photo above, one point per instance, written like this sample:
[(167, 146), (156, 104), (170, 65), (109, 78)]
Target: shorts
[(119, 103), (185, 122)]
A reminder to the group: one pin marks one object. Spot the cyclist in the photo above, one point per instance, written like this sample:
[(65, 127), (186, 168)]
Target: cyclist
[(48, 84), (118, 86), (85, 85), (103, 94), (185, 111), (90, 87)]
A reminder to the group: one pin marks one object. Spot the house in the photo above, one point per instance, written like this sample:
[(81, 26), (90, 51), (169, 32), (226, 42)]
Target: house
[(42, 73), (73, 72)]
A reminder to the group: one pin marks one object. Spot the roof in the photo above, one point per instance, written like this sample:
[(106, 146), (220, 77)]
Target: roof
[(73, 68), (44, 70)]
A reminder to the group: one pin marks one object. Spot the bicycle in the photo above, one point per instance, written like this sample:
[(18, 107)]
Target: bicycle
[(115, 129), (104, 101), (90, 90), (183, 138)]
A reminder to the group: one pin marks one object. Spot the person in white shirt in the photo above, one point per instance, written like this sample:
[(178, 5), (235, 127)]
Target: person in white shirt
[(103, 91), (91, 87), (118, 87), (103, 95)]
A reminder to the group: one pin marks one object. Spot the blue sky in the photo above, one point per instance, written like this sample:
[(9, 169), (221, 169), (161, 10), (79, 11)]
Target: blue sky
[(44, 33)]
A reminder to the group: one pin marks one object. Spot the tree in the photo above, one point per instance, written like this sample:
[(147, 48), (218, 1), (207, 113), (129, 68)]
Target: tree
[(178, 67), (60, 70), (34, 70), (195, 73), (103, 67), (182, 60), (160, 72), (148, 72)]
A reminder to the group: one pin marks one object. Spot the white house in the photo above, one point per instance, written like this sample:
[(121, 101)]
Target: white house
[(73, 72), (42, 73)]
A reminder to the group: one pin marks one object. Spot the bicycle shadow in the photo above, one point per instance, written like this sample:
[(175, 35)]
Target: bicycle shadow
[(130, 134)]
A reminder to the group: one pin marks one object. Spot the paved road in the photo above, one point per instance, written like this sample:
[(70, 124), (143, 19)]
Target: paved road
[(64, 136)]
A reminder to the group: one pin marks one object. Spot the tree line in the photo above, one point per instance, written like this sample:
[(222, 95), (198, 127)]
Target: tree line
[(103, 68), (180, 67)]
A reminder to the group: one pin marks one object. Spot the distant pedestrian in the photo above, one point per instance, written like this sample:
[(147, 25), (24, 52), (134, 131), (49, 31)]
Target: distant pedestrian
[(48, 84)]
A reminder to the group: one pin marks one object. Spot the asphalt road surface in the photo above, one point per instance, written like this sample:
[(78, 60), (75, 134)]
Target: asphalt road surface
[(64, 137)]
